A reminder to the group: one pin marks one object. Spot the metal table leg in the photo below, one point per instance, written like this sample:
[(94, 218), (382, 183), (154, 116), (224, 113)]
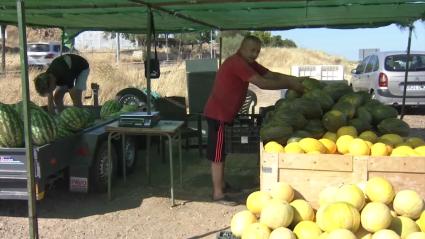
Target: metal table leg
[(180, 158), (170, 151), (109, 165), (124, 163)]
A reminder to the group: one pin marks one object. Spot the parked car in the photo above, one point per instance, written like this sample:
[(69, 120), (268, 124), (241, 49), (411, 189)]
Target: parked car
[(42, 53), (382, 75)]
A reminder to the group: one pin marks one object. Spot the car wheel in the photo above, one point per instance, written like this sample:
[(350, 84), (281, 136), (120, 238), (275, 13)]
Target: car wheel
[(132, 96), (130, 151), (100, 167)]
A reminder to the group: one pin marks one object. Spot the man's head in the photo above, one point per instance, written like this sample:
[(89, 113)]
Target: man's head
[(250, 48), (44, 83)]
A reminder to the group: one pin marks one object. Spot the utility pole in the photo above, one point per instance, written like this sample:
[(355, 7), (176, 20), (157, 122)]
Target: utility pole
[(117, 54)]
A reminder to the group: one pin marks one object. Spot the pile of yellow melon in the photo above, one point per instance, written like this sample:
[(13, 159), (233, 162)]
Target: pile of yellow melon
[(345, 212), (347, 141)]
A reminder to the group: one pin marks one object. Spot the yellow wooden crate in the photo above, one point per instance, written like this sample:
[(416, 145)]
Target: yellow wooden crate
[(309, 174)]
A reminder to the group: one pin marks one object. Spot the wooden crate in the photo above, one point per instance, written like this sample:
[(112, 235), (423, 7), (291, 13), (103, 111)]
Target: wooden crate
[(309, 174)]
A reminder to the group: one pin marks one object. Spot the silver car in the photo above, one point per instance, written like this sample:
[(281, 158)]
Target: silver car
[(382, 74), (43, 53)]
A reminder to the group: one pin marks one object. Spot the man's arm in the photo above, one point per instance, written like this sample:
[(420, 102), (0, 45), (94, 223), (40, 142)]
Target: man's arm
[(50, 103), (274, 81)]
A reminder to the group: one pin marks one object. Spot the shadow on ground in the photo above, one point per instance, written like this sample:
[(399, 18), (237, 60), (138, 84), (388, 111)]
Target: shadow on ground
[(241, 172)]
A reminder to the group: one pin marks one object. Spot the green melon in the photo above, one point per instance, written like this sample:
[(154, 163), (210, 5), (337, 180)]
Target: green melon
[(346, 108), (311, 84), (279, 133), (110, 107), (43, 127), (75, 118), (315, 128), (354, 99), (11, 127), (324, 99), (309, 108), (382, 112), (336, 90), (360, 124), (394, 126), (292, 94), (333, 120), (364, 114), (292, 118)]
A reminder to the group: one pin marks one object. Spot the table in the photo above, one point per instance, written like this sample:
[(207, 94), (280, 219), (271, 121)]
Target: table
[(168, 128)]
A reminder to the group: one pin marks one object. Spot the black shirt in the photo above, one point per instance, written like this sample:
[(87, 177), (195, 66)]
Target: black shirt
[(64, 75)]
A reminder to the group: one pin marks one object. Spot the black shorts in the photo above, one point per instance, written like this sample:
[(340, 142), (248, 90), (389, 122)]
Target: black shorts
[(215, 147)]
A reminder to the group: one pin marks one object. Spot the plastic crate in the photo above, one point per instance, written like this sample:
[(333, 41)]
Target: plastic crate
[(226, 235), (243, 136)]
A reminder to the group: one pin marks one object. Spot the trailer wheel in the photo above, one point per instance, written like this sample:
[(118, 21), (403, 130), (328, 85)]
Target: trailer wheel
[(130, 151), (132, 96), (99, 173)]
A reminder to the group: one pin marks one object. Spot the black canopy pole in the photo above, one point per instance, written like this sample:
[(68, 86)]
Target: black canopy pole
[(148, 59), (62, 41), (406, 72), (221, 49), (32, 215), (3, 48)]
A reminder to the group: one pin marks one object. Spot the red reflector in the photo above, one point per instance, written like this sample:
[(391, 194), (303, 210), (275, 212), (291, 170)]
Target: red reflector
[(383, 80), (53, 161), (49, 56), (82, 151)]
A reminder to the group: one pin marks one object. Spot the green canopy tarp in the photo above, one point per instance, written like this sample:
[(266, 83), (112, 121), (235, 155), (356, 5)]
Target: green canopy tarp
[(192, 15)]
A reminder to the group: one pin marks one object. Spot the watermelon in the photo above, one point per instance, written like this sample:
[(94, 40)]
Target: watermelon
[(110, 107), (364, 114), (74, 119), (394, 126), (309, 108), (334, 119), (355, 99), (311, 84), (11, 127), (346, 108), (279, 133), (382, 112), (43, 127), (19, 107), (360, 124), (292, 94), (63, 132), (315, 128), (337, 90), (324, 99), (292, 118), (129, 108)]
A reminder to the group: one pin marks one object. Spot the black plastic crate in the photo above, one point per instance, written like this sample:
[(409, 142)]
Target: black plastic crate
[(243, 136)]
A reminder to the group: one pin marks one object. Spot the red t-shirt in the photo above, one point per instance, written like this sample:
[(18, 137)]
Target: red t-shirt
[(230, 87)]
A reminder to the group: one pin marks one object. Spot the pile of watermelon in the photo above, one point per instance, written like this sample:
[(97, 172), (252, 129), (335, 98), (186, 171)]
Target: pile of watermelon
[(326, 108), (113, 108)]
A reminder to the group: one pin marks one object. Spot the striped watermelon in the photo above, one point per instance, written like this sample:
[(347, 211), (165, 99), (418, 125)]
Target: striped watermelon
[(20, 108), (74, 119), (11, 127), (109, 108), (63, 132), (43, 127)]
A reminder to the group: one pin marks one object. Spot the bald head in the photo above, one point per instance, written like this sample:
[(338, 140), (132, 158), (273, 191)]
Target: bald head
[(250, 48)]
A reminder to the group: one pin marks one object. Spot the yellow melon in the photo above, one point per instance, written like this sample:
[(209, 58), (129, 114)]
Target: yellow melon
[(403, 226), (421, 221), (379, 149), (358, 147), (416, 235), (420, 150), (403, 151), (347, 130), (256, 231), (323, 235), (330, 135), (363, 234), (341, 233), (351, 194), (302, 211), (311, 144), (369, 136), (375, 216), (408, 203), (343, 143), (257, 200), (327, 195), (277, 214), (282, 233), (273, 147), (379, 189), (329, 144), (240, 221), (282, 191), (385, 234), (307, 230), (339, 215), (293, 148)]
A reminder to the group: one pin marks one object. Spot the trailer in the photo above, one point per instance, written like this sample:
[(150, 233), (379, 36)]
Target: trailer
[(80, 159)]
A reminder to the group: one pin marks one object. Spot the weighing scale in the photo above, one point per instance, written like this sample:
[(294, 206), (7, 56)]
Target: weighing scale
[(139, 119)]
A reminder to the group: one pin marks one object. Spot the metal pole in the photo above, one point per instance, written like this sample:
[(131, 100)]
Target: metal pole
[(148, 59), (32, 213), (406, 72), (221, 50), (211, 44), (166, 46), (62, 41), (3, 50), (118, 48)]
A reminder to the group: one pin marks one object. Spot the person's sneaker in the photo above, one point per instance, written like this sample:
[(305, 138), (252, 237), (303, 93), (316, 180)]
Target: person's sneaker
[(227, 201), (230, 189)]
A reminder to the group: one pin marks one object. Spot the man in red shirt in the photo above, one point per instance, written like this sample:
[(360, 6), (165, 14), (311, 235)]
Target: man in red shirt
[(226, 98)]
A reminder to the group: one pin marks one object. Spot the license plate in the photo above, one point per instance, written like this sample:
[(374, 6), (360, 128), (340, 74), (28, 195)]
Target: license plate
[(415, 87)]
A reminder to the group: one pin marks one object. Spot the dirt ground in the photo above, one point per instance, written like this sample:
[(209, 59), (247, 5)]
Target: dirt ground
[(142, 210)]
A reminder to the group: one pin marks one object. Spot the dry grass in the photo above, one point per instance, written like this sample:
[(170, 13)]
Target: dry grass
[(113, 78)]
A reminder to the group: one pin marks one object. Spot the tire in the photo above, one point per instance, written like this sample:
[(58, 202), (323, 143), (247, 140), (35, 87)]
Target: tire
[(132, 96), (98, 171), (130, 150)]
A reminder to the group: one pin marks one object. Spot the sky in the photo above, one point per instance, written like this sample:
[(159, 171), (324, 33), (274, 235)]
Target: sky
[(346, 43)]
